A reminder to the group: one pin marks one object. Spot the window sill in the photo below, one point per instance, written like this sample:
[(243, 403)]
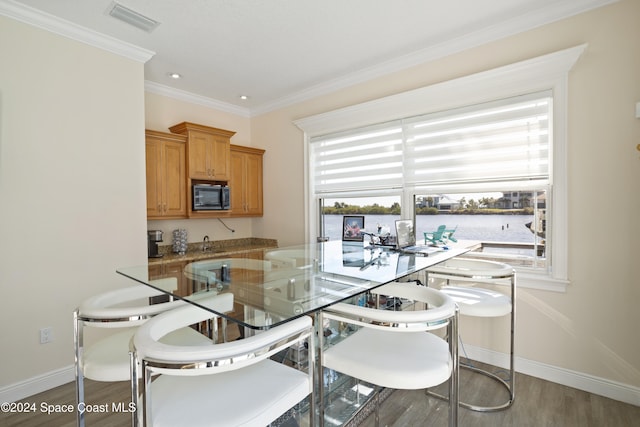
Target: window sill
[(526, 277), (542, 282)]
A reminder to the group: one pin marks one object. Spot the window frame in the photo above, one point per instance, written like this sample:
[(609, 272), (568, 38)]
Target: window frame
[(547, 72)]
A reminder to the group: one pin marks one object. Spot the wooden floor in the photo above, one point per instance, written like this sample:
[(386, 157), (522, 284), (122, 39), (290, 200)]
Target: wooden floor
[(538, 403)]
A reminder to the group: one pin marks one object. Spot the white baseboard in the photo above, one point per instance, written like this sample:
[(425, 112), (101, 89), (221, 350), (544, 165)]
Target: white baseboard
[(581, 381), (38, 384), (602, 387)]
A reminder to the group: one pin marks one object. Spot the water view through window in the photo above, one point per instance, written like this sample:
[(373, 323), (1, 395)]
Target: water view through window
[(488, 228), (510, 224)]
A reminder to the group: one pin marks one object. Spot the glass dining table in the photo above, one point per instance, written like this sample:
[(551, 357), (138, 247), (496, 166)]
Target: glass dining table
[(278, 285), (274, 286)]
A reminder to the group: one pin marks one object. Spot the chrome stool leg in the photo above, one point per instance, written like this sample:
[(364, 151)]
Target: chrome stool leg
[(508, 384)]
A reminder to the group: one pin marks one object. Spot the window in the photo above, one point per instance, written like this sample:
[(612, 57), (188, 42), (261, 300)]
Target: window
[(378, 212), (477, 150), (453, 139), (515, 235), (499, 144)]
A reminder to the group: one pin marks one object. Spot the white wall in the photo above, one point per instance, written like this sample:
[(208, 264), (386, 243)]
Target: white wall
[(72, 188), (588, 334)]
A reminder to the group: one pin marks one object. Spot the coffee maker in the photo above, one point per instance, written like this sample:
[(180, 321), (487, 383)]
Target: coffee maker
[(153, 237)]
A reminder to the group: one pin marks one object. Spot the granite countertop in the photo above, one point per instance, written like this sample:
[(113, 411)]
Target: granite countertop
[(219, 248)]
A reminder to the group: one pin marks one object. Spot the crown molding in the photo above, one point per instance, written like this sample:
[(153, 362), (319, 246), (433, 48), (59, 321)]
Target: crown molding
[(559, 10), (528, 21), (535, 74), (48, 22), (193, 98)]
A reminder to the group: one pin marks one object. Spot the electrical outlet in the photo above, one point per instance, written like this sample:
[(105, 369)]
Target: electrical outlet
[(46, 335)]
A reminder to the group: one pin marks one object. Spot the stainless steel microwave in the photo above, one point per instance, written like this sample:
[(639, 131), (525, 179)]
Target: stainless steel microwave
[(211, 197)]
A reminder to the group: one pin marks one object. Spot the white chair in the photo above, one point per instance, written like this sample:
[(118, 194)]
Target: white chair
[(208, 275), (289, 258), (475, 301), (228, 384), (124, 309), (209, 272), (394, 349)]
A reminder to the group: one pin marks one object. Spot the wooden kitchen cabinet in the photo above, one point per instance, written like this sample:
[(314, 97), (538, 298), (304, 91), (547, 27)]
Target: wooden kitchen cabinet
[(208, 151), (166, 175), (175, 270), (246, 181)]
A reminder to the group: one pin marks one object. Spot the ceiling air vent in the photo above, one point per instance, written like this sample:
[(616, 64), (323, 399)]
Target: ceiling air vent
[(132, 17)]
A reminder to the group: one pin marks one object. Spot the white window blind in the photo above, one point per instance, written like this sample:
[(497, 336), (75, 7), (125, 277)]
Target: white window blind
[(506, 141), (361, 159)]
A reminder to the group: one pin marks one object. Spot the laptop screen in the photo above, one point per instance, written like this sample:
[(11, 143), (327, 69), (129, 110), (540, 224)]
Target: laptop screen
[(406, 264), (405, 233)]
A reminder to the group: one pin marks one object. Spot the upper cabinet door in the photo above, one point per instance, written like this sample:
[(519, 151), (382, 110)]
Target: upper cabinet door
[(220, 158), (253, 184), (166, 175), (246, 181), (199, 147)]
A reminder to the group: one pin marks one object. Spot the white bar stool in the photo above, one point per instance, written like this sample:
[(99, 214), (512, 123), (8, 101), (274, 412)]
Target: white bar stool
[(480, 302), (124, 310), (228, 384), (394, 349)]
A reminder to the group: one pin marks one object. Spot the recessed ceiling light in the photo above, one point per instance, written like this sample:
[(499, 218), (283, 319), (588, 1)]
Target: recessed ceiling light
[(174, 75), (244, 97)]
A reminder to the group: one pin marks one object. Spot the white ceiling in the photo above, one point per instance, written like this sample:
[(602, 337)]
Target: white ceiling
[(281, 51)]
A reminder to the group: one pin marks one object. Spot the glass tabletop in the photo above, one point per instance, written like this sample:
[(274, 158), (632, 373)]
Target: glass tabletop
[(284, 283)]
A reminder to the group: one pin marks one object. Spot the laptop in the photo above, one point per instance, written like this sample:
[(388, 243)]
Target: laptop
[(406, 238)]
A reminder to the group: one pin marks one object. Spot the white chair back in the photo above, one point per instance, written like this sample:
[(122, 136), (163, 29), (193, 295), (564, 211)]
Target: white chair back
[(203, 384)]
